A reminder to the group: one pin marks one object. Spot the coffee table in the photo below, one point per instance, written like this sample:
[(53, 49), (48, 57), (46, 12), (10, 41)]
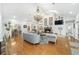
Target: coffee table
[(44, 39)]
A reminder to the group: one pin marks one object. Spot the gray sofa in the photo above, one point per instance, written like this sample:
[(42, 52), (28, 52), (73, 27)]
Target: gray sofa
[(35, 38), (31, 37)]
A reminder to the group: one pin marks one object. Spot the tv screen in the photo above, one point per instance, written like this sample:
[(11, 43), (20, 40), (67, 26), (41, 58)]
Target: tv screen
[(59, 22)]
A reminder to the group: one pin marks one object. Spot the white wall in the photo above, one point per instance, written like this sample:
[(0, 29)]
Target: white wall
[(70, 29), (76, 27), (76, 31), (68, 22), (62, 31), (1, 38), (1, 34)]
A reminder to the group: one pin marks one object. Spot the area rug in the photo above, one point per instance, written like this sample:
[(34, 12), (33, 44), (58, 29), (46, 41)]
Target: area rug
[(74, 48), (74, 51), (74, 44)]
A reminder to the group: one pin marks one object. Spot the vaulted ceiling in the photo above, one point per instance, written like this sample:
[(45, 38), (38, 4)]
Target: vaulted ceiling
[(24, 11)]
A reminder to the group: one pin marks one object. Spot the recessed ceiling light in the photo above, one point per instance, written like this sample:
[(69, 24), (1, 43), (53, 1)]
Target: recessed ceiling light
[(14, 17), (70, 12), (69, 27)]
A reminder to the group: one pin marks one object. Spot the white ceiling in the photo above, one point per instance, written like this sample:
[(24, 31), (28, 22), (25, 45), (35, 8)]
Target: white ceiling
[(27, 10)]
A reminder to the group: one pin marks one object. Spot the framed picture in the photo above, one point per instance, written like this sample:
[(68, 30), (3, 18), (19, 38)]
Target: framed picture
[(5, 25), (28, 28), (24, 26), (50, 21), (34, 27), (45, 22)]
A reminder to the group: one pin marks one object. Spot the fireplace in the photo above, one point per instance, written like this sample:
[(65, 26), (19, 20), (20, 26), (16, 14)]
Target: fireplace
[(47, 29)]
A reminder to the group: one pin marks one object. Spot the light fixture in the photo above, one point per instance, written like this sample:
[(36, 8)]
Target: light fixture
[(54, 11), (38, 16), (69, 27), (70, 12), (14, 17), (53, 3)]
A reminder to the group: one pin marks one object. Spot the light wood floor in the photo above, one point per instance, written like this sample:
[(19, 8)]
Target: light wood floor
[(20, 47)]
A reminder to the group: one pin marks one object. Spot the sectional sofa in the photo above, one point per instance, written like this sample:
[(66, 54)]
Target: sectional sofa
[(35, 38)]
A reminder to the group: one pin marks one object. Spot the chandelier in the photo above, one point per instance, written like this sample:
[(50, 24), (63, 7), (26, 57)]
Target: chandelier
[(37, 17)]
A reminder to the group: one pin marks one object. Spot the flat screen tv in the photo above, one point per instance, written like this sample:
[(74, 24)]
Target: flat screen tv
[(59, 22)]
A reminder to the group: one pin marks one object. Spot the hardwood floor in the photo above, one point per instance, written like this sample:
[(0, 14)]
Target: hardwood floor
[(20, 47)]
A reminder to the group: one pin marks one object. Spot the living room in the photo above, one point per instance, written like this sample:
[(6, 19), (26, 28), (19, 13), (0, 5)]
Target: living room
[(39, 28)]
